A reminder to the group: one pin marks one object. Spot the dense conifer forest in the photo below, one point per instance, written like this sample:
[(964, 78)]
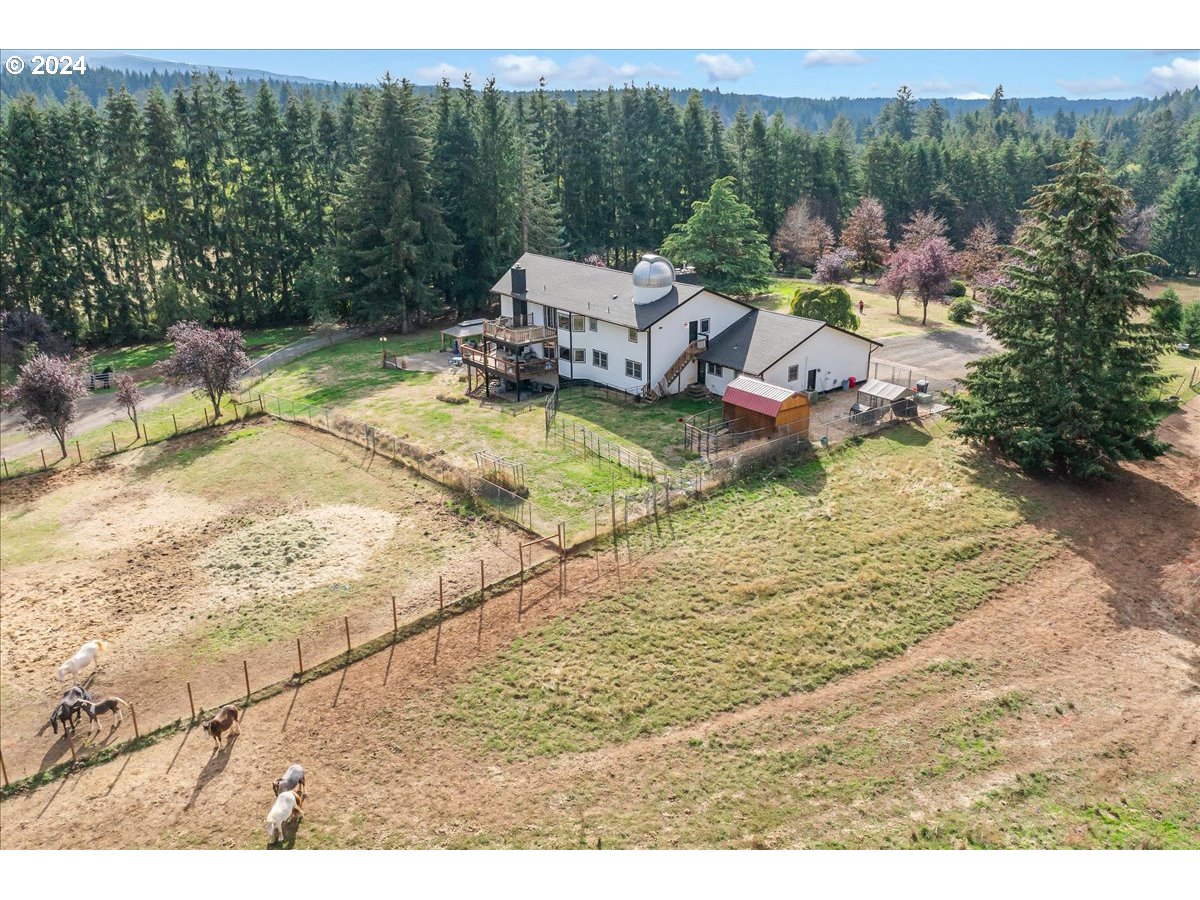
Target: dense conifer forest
[(158, 199)]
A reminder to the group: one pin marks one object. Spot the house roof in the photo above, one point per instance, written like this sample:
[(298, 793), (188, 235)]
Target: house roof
[(884, 390), (761, 338), (592, 291), (752, 394)]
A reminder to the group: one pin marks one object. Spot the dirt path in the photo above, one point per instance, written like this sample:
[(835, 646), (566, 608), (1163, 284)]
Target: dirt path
[(1101, 644)]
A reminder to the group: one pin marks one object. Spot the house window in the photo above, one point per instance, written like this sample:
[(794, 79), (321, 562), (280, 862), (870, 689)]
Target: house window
[(564, 352), (549, 316), (564, 319), (577, 323), (580, 355), (633, 369), (714, 369), (704, 326), (599, 359), (633, 333), (593, 324), (793, 373)]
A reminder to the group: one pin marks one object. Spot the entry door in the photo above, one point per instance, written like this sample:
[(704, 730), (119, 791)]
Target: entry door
[(520, 310), (812, 379), (694, 330), (701, 365)]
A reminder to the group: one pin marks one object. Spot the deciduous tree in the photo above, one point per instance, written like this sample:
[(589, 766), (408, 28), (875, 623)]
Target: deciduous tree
[(46, 393), (129, 398), (208, 361), (866, 234), (830, 304)]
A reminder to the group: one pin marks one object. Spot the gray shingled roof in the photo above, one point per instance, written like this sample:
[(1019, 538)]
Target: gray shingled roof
[(759, 339), (589, 290)]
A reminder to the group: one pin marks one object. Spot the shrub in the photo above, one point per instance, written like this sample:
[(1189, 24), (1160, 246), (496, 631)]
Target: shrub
[(1168, 313), (453, 399), (957, 288), (961, 311), (1190, 329), (804, 272)]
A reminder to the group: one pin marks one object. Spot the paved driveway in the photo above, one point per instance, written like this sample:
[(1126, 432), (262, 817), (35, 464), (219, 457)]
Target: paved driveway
[(941, 354)]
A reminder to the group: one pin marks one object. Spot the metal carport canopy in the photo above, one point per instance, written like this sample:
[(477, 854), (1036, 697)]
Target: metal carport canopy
[(884, 390)]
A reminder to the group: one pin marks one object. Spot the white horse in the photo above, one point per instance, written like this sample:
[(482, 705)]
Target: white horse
[(285, 809), (84, 657)]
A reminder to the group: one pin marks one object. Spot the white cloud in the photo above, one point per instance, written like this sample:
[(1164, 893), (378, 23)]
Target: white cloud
[(833, 58), (973, 95), (434, 74), (594, 72), (1091, 87), (524, 71), (1180, 75), (941, 87), (723, 67)]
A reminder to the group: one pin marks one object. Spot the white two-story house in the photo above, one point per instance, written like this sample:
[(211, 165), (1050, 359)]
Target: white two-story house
[(650, 333)]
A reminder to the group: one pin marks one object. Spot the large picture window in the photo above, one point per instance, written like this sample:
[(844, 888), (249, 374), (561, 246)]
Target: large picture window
[(793, 373), (599, 359)]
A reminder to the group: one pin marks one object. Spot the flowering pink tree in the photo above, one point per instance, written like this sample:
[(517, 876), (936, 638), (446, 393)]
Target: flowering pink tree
[(929, 269), (208, 361), (835, 267), (595, 259), (129, 397), (866, 234), (47, 389)]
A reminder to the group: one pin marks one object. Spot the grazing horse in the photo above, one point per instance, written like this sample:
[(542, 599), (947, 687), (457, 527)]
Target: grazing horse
[(69, 709), (227, 719), (107, 705), (286, 809), (293, 779), (84, 657)]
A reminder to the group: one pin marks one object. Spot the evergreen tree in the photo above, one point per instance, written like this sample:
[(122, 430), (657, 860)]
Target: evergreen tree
[(1175, 235), (722, 240), (393, 245), (1072, 390)]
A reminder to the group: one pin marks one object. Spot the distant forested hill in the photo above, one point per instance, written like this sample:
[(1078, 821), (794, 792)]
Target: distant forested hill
[(811, 114)]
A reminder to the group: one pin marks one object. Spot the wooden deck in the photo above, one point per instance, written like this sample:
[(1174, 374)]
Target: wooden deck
[(518, 336), (495, 363)]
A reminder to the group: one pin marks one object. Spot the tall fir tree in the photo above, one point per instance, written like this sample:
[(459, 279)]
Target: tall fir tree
[(1072, 391)]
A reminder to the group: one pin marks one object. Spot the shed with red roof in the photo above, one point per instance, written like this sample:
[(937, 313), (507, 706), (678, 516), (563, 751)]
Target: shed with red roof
[(756, 405)]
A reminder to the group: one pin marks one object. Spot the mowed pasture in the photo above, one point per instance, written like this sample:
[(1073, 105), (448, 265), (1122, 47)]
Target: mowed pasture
[(896, 643), (193, 555)]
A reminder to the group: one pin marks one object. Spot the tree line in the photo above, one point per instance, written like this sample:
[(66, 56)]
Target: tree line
[(119, 220)]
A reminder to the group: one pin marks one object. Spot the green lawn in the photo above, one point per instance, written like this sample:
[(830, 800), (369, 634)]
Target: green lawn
[(878, 320), (350, 378), (259, 342), (778, 585)]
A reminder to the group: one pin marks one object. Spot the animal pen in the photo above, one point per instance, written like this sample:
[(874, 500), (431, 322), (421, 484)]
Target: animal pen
[(750, 410)]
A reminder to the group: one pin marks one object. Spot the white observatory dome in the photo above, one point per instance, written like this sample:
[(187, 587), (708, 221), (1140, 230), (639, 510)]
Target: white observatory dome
[(653, 278)]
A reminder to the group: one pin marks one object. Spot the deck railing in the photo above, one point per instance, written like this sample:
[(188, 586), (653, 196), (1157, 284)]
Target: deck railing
[(500, 365), (506, 333)]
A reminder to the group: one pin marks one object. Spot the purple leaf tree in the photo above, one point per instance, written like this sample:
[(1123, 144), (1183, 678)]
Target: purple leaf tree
[(129, 398), (929, 269), (209, 361), (46, 393), (836, 266), (894, 281)]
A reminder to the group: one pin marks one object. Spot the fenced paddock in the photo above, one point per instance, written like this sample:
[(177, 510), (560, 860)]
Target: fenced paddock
[(201, 561)]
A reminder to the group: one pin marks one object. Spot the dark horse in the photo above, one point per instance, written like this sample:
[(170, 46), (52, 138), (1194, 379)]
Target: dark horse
[(70, 709)]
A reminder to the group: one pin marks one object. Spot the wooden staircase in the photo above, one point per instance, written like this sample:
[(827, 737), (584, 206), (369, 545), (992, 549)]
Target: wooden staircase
[(688, 354)]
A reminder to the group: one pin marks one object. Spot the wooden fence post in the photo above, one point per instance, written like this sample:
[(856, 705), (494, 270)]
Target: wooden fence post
[(521, 594), (4, 769), (79, 451), (205, 411), (346, 621), (176, 421), (113, 435), (562, 558), (246, 672), (437, 644), (299, 656), (133, 712), (482, 602), (145, 433), (4, 462), (191, 702), (43, 460), (395, 621)]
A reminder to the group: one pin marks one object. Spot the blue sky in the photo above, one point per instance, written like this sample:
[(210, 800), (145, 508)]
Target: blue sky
[(809, 73)]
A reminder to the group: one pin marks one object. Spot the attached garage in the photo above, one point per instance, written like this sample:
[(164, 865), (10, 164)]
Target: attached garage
[(756, 405)]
